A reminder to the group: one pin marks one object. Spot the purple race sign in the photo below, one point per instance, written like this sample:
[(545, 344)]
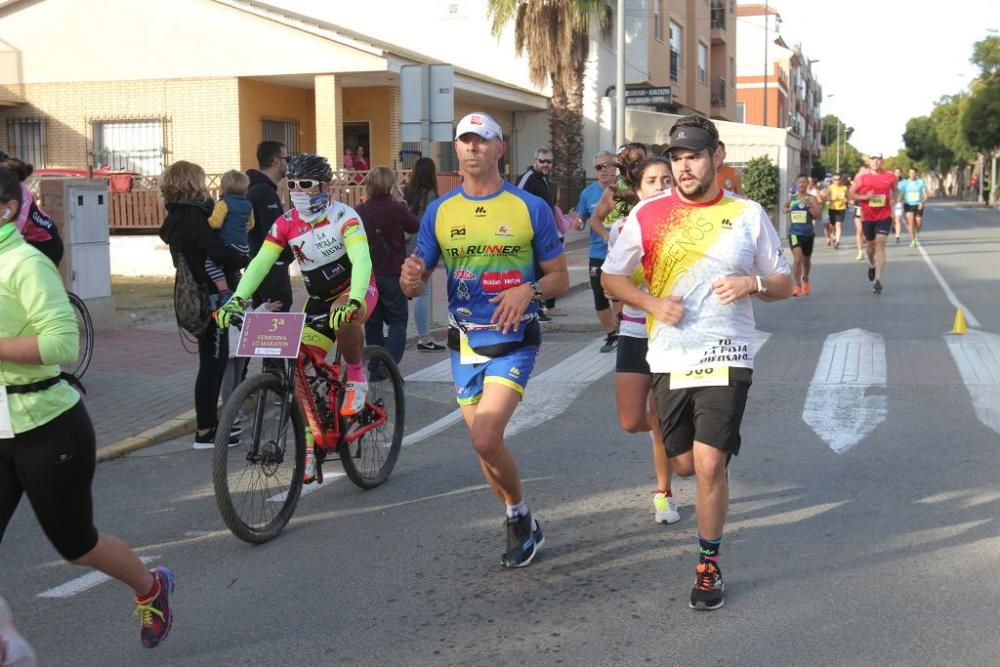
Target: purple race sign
[(274, 335)]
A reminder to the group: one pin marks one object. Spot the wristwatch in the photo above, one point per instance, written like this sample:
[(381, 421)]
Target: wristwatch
[(761, 285), (538, 292)]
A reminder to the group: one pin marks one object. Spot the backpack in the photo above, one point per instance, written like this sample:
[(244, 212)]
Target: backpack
[(191, 300)]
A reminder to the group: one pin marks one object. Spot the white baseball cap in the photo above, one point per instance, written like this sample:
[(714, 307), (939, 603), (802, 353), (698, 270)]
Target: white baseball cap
[(479, 123)]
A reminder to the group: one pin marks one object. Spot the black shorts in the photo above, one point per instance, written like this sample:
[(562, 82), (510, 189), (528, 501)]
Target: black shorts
[(600, 298), (837, 216), (913, 208), (802, 241), (870, 229), (632, 355), (54, 465), (711, 415)]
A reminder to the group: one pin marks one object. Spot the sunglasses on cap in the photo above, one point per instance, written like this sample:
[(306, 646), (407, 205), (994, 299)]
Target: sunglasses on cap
[(302, 183)]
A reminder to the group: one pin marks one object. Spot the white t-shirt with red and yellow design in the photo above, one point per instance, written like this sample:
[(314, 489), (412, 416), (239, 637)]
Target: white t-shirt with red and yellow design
[(683, 248)]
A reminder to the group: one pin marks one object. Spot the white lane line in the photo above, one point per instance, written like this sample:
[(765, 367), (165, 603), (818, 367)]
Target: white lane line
[(969, 317), (439, 372), (977, 355), (328, 479), (847, 398), (86, 582)]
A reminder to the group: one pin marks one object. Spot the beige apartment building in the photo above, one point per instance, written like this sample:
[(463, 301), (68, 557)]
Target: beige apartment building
[(206, 80)]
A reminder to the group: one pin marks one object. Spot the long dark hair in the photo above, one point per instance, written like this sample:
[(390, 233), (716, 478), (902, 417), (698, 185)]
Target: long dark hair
[(423, 179), (19, 167), (630, 161), (10, 187)]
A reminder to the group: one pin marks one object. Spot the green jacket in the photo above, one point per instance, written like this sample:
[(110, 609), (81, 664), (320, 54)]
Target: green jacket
[(33, 302)]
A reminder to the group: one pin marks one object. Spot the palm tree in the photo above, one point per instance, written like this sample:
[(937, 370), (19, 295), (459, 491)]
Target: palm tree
[(556, 36)]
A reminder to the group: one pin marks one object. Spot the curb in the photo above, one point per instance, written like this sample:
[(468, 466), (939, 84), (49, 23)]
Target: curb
[(168, 430)]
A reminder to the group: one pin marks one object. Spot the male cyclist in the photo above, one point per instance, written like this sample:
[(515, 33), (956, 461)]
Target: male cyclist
[(329, 242)]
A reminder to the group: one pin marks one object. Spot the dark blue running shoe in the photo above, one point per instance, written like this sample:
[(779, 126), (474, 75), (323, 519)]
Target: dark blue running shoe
[(524, 539)]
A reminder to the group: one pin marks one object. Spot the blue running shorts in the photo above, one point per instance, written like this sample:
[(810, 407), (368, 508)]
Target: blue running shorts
[(512, 370)]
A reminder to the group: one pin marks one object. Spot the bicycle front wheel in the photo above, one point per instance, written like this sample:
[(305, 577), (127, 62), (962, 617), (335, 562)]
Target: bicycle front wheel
[(79, 366), (369, 459), (258, 481)]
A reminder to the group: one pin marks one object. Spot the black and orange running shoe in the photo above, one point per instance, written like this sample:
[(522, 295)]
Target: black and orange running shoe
[(708, 592)]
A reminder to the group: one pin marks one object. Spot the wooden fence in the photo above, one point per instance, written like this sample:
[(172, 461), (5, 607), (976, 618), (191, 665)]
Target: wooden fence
[(142, 208)]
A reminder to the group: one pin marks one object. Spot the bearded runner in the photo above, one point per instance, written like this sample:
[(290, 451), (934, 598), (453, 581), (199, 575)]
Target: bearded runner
[(703, 252)]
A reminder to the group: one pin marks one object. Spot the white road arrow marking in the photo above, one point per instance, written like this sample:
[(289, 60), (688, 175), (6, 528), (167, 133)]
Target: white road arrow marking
[(84, 583), (847, 397), (977, 355)]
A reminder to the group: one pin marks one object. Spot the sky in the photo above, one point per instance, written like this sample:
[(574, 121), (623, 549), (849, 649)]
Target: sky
[(882, 62)]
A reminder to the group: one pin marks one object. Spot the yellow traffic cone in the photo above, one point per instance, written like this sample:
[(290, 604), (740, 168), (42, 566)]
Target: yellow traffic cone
[(959, 327)]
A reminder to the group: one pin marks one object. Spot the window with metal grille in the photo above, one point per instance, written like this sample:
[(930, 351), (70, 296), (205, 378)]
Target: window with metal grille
[(284, 130), (129, 145), (26, 140)]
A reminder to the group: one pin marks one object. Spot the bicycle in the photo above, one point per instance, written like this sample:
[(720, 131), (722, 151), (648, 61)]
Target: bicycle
[(79, 366), (367, 444)]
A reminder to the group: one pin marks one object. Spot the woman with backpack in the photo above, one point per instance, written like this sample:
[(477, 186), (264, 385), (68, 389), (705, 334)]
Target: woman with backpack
[(420, 191), (187, 232)]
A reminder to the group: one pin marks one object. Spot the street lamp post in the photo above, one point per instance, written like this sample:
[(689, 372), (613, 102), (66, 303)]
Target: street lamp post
[(839, 124)]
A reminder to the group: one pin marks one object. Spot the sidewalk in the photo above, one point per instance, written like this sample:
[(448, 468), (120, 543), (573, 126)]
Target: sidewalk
[(140, 385)]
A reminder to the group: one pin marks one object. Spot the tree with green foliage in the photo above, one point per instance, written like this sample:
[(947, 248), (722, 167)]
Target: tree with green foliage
[(980, 118), (761, 182), (555, 35)]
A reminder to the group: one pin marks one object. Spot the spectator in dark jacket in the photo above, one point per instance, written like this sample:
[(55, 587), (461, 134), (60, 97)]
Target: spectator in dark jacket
[(186, 231), (272, 157), (536, 181), (387, 220)]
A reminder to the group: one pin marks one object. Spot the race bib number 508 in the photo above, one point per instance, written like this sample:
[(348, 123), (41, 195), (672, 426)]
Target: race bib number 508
[(714, 376)]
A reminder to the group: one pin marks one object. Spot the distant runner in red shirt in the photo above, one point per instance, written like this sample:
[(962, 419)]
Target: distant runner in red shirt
[(876, 191)]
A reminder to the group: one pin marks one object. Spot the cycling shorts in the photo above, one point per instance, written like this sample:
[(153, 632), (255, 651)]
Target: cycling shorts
[(837, 216), (632, 355), (53, 464), (914, 208), (805, 242), (601, 301), (870, 229), (511, 370), (322, 336), (711, 415)]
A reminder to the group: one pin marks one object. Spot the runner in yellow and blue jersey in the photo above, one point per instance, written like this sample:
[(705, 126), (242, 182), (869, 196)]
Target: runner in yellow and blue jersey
[(491, 236)]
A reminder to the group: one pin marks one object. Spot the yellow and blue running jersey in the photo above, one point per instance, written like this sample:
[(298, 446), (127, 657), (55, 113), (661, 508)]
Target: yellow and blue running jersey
[(489, 244)]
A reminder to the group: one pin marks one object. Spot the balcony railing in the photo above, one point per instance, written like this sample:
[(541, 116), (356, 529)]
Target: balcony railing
[(718, 15), (719, 92), (674, 62)]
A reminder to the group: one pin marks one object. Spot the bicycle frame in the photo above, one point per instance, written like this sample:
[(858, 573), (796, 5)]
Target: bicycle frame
[(332, 439)]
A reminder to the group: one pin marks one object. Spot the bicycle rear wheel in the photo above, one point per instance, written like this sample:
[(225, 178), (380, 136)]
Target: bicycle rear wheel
[(258, 482), (369, 460), (79, 366)]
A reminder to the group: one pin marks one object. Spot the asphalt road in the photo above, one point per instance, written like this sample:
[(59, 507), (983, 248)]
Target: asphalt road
[(884, 553)]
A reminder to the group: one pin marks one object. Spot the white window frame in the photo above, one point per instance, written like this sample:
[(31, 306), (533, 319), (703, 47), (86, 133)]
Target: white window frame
[(677, 44), (658, 20), (702, 62)]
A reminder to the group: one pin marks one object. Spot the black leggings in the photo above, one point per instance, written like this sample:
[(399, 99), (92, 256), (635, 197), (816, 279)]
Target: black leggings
[(54, 465), (213, 355)]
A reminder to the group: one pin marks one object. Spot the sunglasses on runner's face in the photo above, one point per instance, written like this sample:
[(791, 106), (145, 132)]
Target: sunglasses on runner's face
[(544, 161), (602, 166), (301, 183)]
